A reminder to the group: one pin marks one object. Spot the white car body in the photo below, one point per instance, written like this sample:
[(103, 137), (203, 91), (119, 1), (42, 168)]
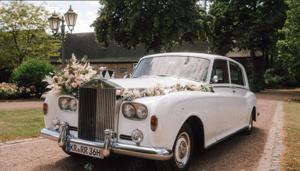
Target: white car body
[(217, 114)]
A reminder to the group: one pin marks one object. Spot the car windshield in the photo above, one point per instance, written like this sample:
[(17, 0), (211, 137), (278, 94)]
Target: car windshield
[(193, 68)]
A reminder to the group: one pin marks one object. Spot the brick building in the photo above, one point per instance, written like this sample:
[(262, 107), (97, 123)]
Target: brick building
[(122, 61)]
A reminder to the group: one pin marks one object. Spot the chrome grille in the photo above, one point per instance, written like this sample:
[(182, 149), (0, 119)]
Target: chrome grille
[(96, 112)]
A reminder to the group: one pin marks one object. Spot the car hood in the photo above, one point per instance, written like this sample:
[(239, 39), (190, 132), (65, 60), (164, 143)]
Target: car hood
[(150, 82)]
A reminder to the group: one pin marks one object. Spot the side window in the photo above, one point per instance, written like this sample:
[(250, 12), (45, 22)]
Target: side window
[(220, 69), (236, 74)]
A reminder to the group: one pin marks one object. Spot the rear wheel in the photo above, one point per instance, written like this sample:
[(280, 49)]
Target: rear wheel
[(248, 130), (182, 151)]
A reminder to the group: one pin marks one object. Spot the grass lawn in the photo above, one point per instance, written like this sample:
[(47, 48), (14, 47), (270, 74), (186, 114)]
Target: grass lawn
[(20, 124), (291, 128)]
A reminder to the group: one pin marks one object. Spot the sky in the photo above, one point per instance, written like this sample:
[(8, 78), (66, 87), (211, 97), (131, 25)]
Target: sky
[(86, 10)]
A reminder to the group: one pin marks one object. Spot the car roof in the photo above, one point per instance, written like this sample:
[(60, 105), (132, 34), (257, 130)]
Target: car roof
[(200, 55)]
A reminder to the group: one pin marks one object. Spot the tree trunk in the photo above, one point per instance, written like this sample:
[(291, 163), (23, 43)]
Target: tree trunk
[(254, 81)]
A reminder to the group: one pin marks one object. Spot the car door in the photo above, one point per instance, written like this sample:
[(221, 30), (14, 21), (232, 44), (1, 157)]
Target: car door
[(239, 90), (224, 99)]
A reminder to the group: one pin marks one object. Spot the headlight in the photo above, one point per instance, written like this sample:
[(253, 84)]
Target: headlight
[(67, 104), (134, 111), (128, 110), (142, 112), (64, 104), (73, 105)]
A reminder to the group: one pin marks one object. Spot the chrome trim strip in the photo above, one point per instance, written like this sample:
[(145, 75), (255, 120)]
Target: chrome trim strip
[(227, 136), (215, 86), (143, 152), (124, 149)]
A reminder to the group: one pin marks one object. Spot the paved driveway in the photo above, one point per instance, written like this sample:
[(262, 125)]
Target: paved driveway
[(238, 152)]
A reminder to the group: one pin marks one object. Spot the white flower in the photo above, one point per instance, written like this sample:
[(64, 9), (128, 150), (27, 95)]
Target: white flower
[(57, 89), (157, 93), (149, 92), (118, 93), (71, 76), (66, 74), (158, 86), (137, 93), (67, 82), (126, 91)]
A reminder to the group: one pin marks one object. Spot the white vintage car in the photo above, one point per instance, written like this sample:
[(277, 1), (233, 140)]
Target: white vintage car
[(172, 104)]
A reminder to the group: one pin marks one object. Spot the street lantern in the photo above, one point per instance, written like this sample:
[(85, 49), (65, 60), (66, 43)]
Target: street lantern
[(71, 18), (54, 22)]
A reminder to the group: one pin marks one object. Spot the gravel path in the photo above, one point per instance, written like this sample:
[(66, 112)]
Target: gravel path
[(21, 105), (238, 152)]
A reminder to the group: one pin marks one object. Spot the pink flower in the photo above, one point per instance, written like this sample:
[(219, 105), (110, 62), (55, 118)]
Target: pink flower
[(59, 79), (66, 74), (150, 92), (158, 86), (71, 76), (189, 84), (74, 85)]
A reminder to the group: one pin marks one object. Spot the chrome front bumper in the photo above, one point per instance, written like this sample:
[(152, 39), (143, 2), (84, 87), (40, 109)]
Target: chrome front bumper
[(108, 146)]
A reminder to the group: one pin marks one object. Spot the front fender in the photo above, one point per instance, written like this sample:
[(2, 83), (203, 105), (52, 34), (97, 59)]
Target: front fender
[(172, 112)]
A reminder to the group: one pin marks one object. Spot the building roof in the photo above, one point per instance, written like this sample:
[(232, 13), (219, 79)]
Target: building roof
[(82, 44)]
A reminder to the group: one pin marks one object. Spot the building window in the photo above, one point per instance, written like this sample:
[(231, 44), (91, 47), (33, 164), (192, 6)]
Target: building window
[(248, 62), (123, 70)]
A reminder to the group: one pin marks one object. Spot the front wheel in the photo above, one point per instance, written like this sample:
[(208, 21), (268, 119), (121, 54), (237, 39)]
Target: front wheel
[(182, 151)]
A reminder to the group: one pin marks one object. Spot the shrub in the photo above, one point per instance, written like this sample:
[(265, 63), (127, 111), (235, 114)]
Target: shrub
[(30, 75), (278, 78)]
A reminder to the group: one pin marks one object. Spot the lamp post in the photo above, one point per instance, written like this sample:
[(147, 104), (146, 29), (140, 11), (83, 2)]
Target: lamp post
[(70, 17)]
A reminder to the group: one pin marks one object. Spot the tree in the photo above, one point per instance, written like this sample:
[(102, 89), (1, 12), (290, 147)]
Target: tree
[(156, 24), (247, 25), (289, 46), (23, 36)]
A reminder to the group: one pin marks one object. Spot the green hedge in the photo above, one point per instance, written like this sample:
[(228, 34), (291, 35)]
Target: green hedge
[(30, 75)]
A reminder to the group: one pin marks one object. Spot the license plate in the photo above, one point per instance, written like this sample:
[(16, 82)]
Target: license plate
[(84, 150)]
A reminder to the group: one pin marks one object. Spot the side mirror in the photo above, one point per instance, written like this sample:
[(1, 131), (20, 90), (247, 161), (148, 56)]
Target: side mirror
[(215, 79)]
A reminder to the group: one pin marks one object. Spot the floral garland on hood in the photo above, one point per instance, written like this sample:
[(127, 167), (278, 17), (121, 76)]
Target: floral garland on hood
[(158, 90), (68, 80)]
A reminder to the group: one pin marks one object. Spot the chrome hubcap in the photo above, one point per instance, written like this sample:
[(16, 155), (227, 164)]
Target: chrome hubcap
[(182, 149), (250, 123)]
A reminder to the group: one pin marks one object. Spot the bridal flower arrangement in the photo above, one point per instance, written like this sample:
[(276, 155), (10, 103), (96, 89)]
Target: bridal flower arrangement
[(68, 80), (158, 90)]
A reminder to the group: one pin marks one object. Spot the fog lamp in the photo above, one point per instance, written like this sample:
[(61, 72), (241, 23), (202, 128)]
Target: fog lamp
[(56, 123), (137, 136)]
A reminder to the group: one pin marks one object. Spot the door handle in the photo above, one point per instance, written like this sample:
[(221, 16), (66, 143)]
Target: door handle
[(233, 88)]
